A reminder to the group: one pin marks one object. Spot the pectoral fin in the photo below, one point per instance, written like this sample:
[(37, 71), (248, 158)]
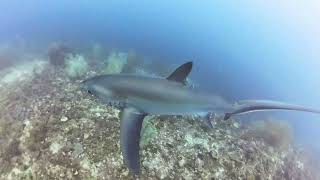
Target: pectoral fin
[(131, 122)]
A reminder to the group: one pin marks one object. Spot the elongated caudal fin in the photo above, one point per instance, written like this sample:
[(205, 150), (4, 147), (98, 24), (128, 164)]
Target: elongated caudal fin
[(263, 105)]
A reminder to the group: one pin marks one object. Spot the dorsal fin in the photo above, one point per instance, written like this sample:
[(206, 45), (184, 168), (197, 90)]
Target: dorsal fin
[(181, 73)]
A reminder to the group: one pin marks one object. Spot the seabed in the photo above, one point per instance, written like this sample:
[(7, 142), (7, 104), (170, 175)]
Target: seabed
[(49, 129)]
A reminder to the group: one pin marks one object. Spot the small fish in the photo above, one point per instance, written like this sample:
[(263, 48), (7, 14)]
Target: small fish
[(139, 96)]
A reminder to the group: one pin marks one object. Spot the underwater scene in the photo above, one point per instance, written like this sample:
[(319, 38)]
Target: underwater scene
[(159, 90)]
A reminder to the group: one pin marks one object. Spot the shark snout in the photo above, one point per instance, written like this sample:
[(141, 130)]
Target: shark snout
[(84, 87)]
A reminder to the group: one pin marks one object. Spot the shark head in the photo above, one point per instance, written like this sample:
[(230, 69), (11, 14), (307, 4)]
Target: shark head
[(94, 87), (103, 89), (86, 86), (115, 87)]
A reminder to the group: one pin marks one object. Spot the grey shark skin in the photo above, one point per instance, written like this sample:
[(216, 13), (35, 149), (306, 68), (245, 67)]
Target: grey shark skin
[(139, 96)]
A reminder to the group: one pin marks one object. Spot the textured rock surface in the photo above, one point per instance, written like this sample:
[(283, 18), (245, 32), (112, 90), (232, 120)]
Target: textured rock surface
[(49, 129)]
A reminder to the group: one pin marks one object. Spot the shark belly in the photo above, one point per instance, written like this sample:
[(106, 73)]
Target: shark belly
[(168, 108)]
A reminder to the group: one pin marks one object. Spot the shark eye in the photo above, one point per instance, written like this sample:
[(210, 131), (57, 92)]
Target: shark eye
[(89, 92)]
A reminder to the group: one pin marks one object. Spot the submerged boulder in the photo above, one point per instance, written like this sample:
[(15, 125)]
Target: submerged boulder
[(57, 52)]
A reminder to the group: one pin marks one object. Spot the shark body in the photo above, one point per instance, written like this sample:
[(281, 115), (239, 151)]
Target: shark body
[(139, 96)]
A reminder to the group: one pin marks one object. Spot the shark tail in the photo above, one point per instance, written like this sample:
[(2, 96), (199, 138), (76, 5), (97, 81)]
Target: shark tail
[(248, 106)]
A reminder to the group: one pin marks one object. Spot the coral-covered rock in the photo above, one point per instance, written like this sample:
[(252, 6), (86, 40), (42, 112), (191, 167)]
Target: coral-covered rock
[(36, 144), (57, 53), (276, 133)]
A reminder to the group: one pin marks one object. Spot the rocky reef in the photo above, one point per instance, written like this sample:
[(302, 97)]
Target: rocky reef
[(49, 129)]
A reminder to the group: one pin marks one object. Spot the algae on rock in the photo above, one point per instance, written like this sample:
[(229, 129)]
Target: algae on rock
[(148, 131), (22, 72), (116, 62), (75, 65)]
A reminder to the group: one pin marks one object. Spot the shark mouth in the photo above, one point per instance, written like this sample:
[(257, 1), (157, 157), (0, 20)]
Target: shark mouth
[(116, 104)]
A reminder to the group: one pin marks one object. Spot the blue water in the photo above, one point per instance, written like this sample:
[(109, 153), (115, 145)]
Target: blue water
[(241, 49)]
